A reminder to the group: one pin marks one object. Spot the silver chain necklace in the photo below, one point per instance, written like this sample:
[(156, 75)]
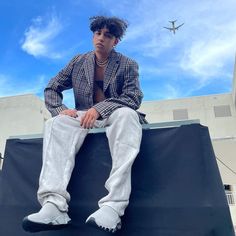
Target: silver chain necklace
[(101, 63)]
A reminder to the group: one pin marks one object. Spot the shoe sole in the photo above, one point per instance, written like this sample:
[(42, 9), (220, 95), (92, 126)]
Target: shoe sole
[(33, 227), (91, 221)]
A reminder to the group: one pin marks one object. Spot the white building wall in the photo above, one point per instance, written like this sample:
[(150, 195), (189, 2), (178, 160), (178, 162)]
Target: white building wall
[(201, 107), (234, 84), (21, 115)]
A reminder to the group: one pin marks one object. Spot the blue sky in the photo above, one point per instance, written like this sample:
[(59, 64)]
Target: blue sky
[(38, 38)]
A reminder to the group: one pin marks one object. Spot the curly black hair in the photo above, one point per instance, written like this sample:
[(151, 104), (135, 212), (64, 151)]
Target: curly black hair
[(116, 26)]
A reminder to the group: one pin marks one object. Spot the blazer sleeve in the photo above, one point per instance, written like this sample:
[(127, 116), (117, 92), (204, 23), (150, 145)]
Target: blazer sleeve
[(53, 92), (131, 95)]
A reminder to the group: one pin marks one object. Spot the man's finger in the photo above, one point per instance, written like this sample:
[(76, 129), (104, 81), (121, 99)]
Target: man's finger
[(69, 112), (84, 121)]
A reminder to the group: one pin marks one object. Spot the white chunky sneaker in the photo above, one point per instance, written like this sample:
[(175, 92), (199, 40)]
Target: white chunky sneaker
[(105, 218), (48, 218)]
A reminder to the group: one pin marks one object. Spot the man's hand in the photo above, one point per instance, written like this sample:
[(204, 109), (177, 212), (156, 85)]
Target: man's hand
[(69, 112), (89, 118)]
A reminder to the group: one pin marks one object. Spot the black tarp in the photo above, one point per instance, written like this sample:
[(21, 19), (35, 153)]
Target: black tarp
[(176, 186)]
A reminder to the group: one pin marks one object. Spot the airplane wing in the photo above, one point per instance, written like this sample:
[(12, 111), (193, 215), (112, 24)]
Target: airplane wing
[(178, 26), (168, 28)]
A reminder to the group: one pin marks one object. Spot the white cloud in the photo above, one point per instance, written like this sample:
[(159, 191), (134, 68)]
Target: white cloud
[(207, 60), (11, 87), (170, 92), (151, 70), (202, 47), (211, 41), (165, 91), (39, 37)]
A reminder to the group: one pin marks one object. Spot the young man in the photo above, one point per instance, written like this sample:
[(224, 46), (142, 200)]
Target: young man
[(107, 94)]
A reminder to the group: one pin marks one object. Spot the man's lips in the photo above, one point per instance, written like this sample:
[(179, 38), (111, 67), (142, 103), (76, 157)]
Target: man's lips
[(99, 45)]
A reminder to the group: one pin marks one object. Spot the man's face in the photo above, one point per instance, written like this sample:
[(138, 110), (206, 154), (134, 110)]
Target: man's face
[(104, 41)]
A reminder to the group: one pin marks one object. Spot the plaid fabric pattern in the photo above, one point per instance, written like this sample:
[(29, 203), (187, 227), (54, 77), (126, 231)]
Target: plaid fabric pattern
[(121, 85)]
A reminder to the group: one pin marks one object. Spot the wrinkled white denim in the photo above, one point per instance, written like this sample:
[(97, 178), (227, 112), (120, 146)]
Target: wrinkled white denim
[(63, 137)]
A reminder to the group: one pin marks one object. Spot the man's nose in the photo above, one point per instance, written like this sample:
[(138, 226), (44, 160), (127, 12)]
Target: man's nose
[(101, 37)]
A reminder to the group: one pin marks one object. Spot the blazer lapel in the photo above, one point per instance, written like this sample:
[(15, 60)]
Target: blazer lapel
[(111, 68), (89, 68)]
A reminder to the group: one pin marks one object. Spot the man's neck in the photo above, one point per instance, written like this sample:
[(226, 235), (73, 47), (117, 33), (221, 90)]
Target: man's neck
[(101, 56)]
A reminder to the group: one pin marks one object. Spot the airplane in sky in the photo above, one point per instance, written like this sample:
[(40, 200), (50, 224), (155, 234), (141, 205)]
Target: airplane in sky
[(173, 28)]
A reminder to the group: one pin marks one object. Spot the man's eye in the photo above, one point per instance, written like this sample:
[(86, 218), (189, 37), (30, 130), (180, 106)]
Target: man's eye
[(108, 36)]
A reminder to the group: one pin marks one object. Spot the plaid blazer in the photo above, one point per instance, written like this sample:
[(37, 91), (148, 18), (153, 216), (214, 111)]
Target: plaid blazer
[(121, 85)]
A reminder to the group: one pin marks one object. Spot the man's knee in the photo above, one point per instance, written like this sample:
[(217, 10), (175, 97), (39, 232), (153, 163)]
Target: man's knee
[(56, 120), (125, 113)]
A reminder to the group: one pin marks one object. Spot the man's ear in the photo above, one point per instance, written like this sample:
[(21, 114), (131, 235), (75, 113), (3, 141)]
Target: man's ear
[(116, 42)]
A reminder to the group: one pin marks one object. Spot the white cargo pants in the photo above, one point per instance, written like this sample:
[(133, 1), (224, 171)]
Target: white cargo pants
[(63, 137)]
